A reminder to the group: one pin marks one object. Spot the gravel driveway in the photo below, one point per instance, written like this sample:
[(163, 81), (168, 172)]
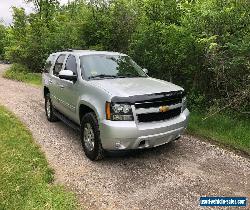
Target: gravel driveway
[(171, 177)]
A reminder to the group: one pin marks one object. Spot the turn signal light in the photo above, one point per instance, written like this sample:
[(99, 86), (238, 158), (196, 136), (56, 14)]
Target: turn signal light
[(108, 113)]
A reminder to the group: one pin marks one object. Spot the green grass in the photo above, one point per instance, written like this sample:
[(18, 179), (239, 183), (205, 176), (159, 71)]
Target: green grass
[(21, 73), (25, 177), (226, 130)]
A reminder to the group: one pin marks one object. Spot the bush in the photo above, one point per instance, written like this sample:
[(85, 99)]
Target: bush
[(21, 73)]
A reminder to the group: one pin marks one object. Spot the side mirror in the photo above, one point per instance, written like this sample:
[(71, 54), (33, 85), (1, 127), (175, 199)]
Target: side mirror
[(145, 70), (67, 75)]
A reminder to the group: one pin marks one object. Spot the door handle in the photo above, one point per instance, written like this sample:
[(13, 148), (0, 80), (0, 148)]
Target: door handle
[(61, 86)]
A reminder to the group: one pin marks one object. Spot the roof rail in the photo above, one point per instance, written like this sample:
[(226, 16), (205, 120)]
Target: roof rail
[(69, 50), (77, 49)]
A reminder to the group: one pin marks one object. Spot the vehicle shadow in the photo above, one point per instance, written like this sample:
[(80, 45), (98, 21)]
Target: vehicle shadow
[(141, 153)]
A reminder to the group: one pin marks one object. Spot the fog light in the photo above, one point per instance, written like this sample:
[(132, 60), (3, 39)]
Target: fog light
[(118, 145)]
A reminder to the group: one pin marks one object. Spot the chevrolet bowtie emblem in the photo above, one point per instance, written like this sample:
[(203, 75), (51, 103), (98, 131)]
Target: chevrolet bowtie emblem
[(163, 108)]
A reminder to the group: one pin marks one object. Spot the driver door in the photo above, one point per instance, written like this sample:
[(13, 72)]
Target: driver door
[(55, 92), (69, 90)]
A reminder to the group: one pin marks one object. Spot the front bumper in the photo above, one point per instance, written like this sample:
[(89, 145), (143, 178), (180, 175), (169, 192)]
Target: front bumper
[(124, 135)]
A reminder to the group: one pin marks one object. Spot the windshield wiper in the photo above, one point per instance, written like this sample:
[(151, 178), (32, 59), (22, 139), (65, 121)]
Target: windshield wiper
[(102, 76), (129, 75)]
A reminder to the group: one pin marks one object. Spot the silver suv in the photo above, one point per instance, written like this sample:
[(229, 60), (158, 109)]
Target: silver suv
[(112, 101)]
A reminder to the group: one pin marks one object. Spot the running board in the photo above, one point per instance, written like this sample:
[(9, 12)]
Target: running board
[(66, 120)]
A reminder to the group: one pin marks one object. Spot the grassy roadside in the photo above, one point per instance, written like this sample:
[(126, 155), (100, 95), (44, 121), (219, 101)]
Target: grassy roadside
[(20, 73), (25, 177), (223, 129)]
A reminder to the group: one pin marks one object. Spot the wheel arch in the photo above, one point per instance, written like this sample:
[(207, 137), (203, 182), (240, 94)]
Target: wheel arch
[(45, 91), (85, 108)]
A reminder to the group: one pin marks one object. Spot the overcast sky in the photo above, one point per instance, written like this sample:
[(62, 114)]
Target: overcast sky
[(6, 12)]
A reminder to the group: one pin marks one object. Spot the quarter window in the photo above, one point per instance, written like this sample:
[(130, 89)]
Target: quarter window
[(71, 64), (58, 65)]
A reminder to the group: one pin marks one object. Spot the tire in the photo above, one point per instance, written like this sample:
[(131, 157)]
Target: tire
[(90, 137), (49, 109)]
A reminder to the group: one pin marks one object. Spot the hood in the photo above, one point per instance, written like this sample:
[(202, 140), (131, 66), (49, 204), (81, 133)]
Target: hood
[(125, 87)]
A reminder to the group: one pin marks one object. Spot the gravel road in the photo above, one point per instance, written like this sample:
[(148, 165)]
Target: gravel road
[(172, 176)]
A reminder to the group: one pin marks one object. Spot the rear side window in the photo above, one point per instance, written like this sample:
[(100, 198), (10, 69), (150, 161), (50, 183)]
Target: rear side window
[(71, 64), (49, 63), (58, 64)]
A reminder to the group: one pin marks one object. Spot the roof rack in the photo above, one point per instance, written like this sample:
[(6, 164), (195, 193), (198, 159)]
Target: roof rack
[(72, 50), (69, 50)]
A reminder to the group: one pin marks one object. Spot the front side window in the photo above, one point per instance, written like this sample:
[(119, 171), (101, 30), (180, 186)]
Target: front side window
[(49, 63), (109, 66), (58, 64), (71, 64)]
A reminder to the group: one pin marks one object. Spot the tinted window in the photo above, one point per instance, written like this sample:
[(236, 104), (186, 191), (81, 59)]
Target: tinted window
[(58, 65), (71, 64), (49, 63)]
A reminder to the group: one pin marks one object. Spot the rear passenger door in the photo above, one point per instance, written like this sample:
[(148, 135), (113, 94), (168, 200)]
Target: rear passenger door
[(55, 90)]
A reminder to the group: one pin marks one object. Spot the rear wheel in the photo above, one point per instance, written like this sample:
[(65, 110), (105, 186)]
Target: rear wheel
[(49, 110), (90, 137)]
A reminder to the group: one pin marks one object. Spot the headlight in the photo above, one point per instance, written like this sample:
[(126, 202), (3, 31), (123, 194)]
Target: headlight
[(119, 112), (184, 104)]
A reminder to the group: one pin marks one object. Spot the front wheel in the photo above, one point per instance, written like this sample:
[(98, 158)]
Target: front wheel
[(90, 137)]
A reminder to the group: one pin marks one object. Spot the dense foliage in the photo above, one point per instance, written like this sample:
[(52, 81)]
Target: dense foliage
[(202, 45), (2, 37)]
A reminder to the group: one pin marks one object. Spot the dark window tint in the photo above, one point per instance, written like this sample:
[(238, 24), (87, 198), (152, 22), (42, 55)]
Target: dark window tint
[(71, 64), (58, 65), (49, 63)]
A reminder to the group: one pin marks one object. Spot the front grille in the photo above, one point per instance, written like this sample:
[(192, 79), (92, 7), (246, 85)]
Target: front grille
[(166, 102), (158, 116), (156, 101)]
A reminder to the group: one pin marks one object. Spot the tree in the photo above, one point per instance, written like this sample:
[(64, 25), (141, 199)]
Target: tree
[(16, 36), (202, 45), (2, 40)]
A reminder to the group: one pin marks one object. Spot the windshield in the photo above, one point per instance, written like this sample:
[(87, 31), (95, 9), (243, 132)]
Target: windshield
[(109, 66)]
